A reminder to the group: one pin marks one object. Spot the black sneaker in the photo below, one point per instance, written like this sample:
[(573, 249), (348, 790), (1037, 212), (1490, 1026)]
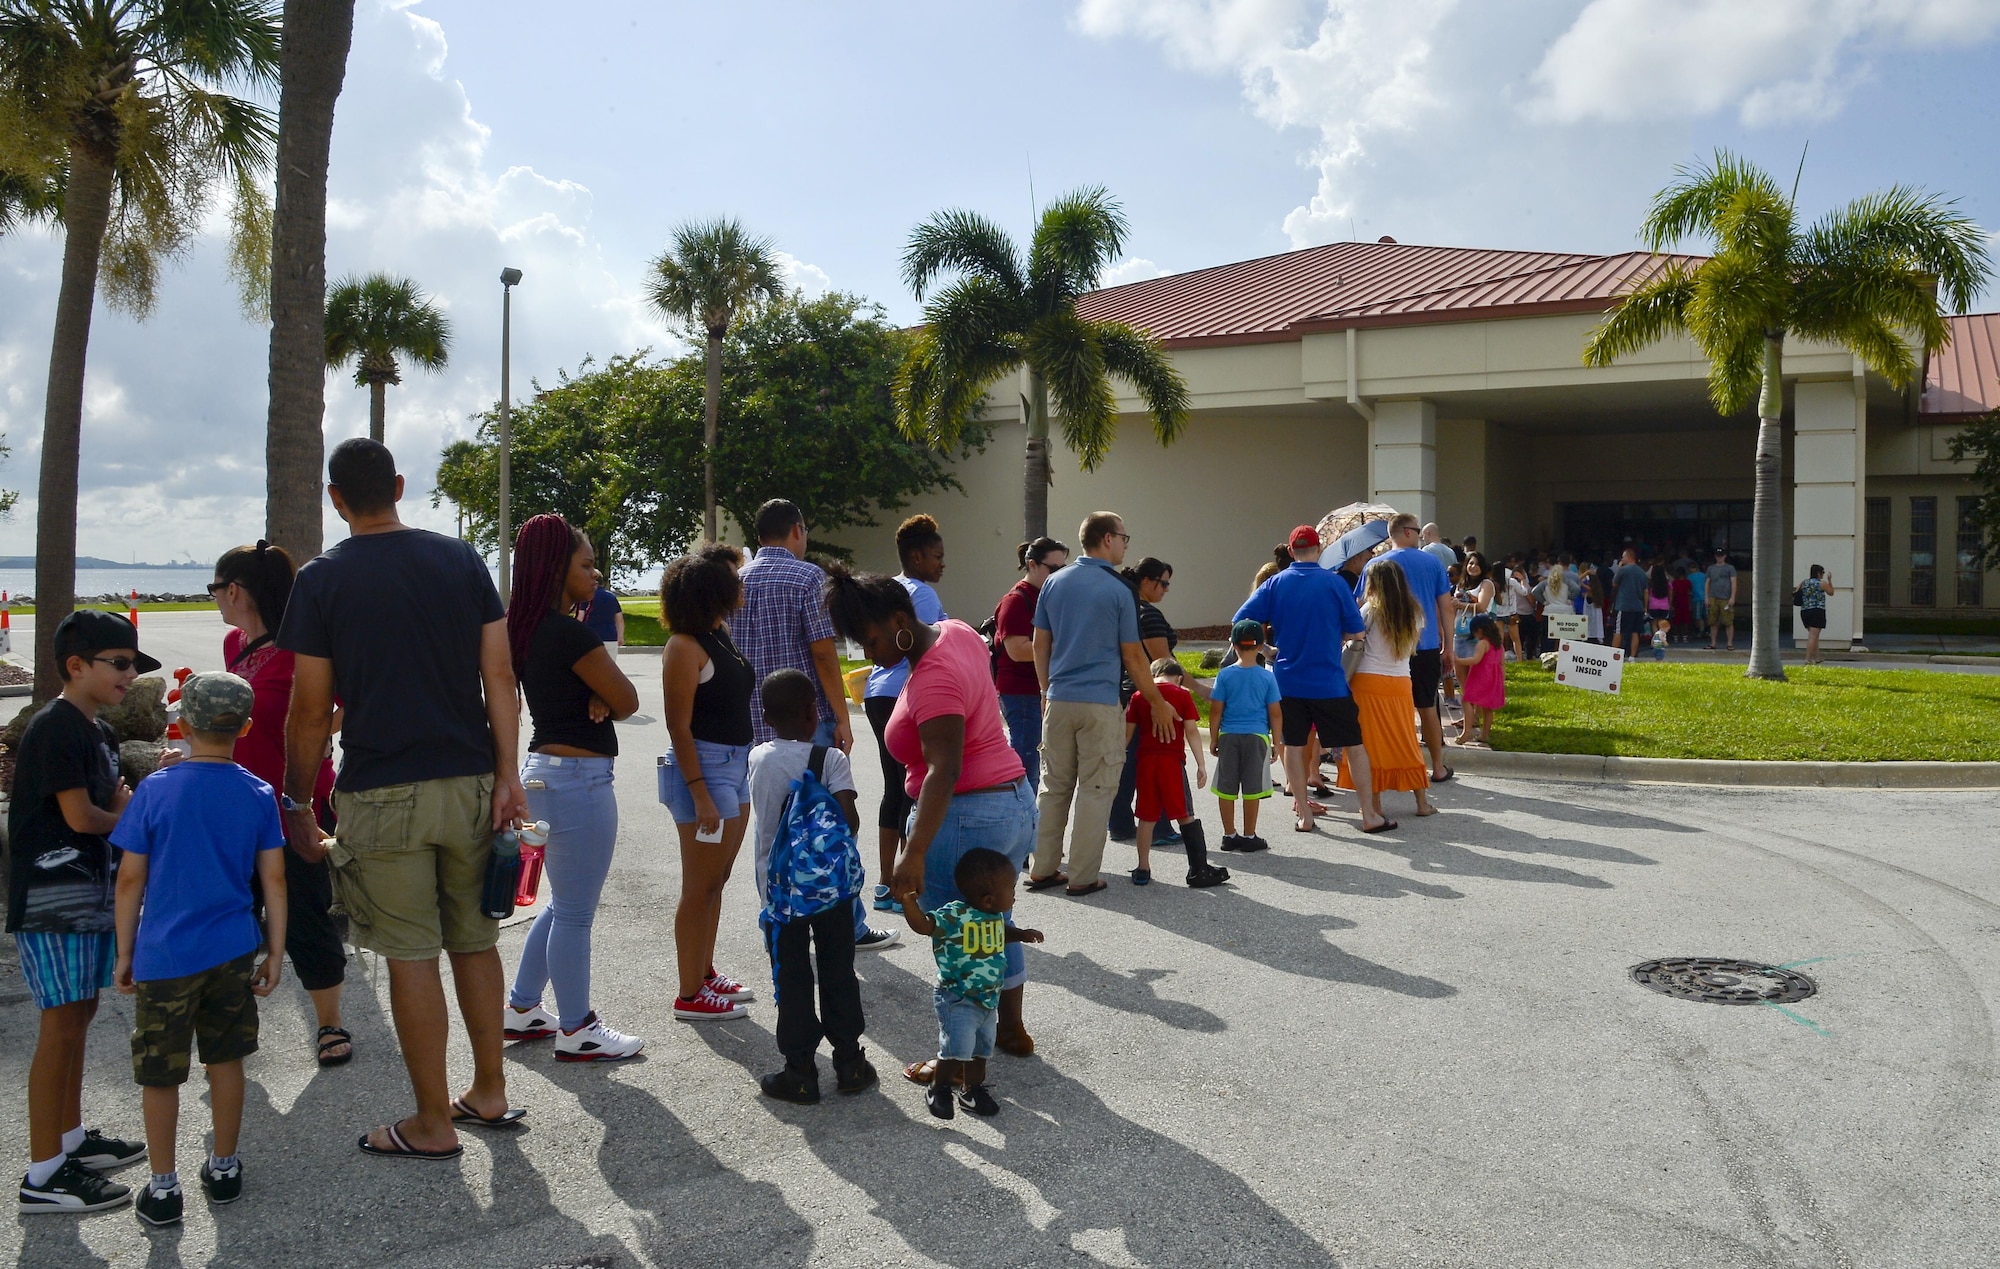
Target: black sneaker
[(74, 1188), (798, 1087), (1230, 841), (104, 1154), (222, 1187), (1200, 878), (938, 1098), (157, 1208), (1247, 844), (978, 1099), (851, 1075)]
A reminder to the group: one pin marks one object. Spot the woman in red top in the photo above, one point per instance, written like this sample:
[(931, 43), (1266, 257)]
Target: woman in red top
[(1014, 652), (252, 584), (970, 788)]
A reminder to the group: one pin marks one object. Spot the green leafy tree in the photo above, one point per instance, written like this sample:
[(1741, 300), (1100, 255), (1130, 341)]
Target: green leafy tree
[(1868, 276), (999, 313), (374, 320), (808, 415), (1979, 444), (125, 102), (713, 271)]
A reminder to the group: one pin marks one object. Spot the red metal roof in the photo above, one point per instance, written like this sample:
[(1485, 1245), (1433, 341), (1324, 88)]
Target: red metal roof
[(1964, 377), (1364, 284)]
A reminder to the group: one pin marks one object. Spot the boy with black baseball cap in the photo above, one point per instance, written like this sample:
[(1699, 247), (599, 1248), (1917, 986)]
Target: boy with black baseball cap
[(61, 874)]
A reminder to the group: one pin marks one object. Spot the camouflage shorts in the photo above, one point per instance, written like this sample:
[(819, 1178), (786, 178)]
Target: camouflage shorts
[(214, 1007)]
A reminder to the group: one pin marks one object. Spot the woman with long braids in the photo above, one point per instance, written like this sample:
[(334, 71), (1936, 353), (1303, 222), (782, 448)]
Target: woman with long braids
[(252, 585), (575, 691), (920, 547)]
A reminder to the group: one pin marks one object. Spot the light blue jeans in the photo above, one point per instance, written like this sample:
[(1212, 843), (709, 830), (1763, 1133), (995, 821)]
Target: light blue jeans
[(1023, 713), (575, 796), (1003, 822)]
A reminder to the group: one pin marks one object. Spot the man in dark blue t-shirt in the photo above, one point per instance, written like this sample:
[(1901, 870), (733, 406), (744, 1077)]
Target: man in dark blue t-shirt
[(1430, 583), (405, 627), (1311, 612), (606, 618)]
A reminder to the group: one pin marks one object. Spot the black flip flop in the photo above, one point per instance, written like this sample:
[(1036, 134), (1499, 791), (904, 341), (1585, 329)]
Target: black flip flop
[(1077, 892), (401, 1149), (1383, 827), (1448, 775), (464, 1114), (329, 1037), (1044, 883)]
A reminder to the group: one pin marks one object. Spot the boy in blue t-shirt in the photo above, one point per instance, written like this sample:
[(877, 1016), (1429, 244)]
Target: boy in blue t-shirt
[(969, 937), (1243, 715), (194, 835)]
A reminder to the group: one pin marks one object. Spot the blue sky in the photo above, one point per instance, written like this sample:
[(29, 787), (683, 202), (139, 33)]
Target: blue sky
[(568, 140)]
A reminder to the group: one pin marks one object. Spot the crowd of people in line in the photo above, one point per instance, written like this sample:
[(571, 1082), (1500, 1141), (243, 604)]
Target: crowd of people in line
[(1010, 754)]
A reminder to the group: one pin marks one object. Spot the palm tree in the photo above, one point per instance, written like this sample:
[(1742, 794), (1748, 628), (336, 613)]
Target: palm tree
[(712, 272), (369, 321), (313, 64), (126, 100), (1867, 276), (27, 200), (998, 315)]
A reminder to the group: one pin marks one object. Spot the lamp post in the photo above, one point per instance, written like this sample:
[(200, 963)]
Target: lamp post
[(509, 279)]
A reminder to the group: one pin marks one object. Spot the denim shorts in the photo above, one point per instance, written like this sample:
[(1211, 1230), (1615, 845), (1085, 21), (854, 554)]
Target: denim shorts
[(726, 771), (965, 1027), (1001, 821)]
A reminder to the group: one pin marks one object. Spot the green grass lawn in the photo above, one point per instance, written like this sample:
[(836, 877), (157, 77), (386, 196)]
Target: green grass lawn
[(1712, 711)]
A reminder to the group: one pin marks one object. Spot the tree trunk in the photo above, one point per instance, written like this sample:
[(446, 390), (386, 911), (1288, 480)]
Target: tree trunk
[(1767, 533), (711, 406), (378, 409), (86, 211), (312, 65), (1035, 479)]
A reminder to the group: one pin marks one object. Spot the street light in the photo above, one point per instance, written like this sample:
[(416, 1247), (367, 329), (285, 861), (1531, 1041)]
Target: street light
[(509, 279)]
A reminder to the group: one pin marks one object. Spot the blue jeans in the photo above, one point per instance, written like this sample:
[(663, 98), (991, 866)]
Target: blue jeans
[(1024, 733), (823, 735), (966, 1029), (1003, 822), (575, 796)]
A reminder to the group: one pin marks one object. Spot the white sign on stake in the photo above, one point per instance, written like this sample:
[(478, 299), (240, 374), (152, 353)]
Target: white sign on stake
[(1590, 666), (1568, 625)]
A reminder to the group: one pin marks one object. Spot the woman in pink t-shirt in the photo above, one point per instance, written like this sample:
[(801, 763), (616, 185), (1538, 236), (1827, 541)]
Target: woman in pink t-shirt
[(970, 788)]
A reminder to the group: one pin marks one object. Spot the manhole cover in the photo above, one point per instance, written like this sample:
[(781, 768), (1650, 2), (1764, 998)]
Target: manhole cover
[(1723, 982)]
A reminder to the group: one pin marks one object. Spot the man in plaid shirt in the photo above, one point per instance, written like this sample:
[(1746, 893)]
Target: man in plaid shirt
[(783, 625)]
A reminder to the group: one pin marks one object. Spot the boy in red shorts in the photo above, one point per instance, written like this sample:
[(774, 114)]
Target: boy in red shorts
[(1161, 769)]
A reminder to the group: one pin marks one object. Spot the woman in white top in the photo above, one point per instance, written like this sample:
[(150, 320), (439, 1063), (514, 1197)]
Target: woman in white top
[(1381, 687), (1520, 608)]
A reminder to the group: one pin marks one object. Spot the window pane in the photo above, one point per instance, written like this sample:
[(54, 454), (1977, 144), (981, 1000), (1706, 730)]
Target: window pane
[(1971, 576), (1875, 553), (1923, 552)]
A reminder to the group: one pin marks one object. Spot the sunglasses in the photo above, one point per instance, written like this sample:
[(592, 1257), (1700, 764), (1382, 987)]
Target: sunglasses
[(214, 587), (120, 664)]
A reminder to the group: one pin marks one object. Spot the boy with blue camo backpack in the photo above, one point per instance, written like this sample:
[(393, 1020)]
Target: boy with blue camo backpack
[(802, 796)]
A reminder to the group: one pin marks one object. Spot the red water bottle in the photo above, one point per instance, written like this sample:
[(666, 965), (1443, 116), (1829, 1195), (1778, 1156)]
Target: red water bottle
[(534, 844)]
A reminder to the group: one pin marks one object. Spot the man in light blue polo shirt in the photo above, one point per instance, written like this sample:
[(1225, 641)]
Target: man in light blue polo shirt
[(1430, 583), (1086, 627), (1311, 612)]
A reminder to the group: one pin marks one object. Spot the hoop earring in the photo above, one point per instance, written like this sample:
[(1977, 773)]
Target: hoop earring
[(903, 635)]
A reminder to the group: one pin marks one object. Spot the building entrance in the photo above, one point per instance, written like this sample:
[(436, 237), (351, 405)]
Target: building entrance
[(1599, 531)]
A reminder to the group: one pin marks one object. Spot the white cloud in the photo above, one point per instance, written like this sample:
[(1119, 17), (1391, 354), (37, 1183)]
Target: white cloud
[(1130, 269), (1769, 61), (800, 276), (1348, 69)]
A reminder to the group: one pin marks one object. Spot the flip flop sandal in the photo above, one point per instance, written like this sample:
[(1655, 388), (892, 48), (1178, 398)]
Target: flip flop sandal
[(1306, 827), (1049, 882), (1077, 892), (1448, 775), (1317, 808), (401, 1149), (333, 1037), (1383, 827), (464, 1114), (920, 1072)]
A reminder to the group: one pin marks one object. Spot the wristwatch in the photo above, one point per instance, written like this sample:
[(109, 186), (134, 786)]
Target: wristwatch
[(285, 801)]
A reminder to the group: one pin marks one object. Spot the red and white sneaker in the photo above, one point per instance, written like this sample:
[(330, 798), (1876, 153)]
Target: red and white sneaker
[(707, 1007), (532, 1023), (728, 988), (595, 1042)]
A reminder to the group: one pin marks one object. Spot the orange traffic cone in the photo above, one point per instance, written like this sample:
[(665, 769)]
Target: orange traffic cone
[(135, 609), (6, 627)]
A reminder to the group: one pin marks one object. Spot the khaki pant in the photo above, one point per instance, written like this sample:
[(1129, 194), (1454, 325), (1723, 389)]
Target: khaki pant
[(1083, 752), (409, 865)]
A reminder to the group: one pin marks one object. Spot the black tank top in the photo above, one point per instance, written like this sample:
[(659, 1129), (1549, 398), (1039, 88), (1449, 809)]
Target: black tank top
[(722, 705)]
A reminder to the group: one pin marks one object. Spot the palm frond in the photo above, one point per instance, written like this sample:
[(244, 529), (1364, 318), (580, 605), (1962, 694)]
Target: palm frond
[(1138, 358), (1843, 297), (376, 319), (1077, 238), (250, 246), (1066, 351), (1905, 228), (959, 241), (938, 395), (211, 41), (1653, 310), (1736, 373), (1737, 296), (1694, 204), (973, 313), (713, 270)]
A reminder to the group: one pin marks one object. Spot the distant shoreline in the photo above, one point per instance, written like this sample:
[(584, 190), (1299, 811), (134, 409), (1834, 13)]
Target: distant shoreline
[(92, 562)]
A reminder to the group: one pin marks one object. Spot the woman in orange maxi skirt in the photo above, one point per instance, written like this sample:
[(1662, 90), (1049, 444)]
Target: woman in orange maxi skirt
[(1381, 687)]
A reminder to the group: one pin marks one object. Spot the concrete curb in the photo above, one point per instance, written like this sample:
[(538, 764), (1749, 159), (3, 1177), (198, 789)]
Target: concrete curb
[(1847, 775)]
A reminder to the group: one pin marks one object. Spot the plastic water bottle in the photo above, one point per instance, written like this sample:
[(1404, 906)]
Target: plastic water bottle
[(503, 874), (534, 843)]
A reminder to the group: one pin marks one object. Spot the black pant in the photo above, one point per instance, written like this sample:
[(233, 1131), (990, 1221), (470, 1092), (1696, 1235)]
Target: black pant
[(896, 801), (312, 932), (838, 1018)]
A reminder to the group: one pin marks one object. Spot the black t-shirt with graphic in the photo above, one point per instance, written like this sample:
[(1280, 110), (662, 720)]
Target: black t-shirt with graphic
[(60, 881)]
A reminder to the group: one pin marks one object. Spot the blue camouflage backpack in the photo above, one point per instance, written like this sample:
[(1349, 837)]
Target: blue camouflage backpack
[(814, 863)]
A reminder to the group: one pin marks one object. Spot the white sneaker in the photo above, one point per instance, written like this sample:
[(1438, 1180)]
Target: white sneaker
[(595, 1042), (875, 940), (532, 1023)]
